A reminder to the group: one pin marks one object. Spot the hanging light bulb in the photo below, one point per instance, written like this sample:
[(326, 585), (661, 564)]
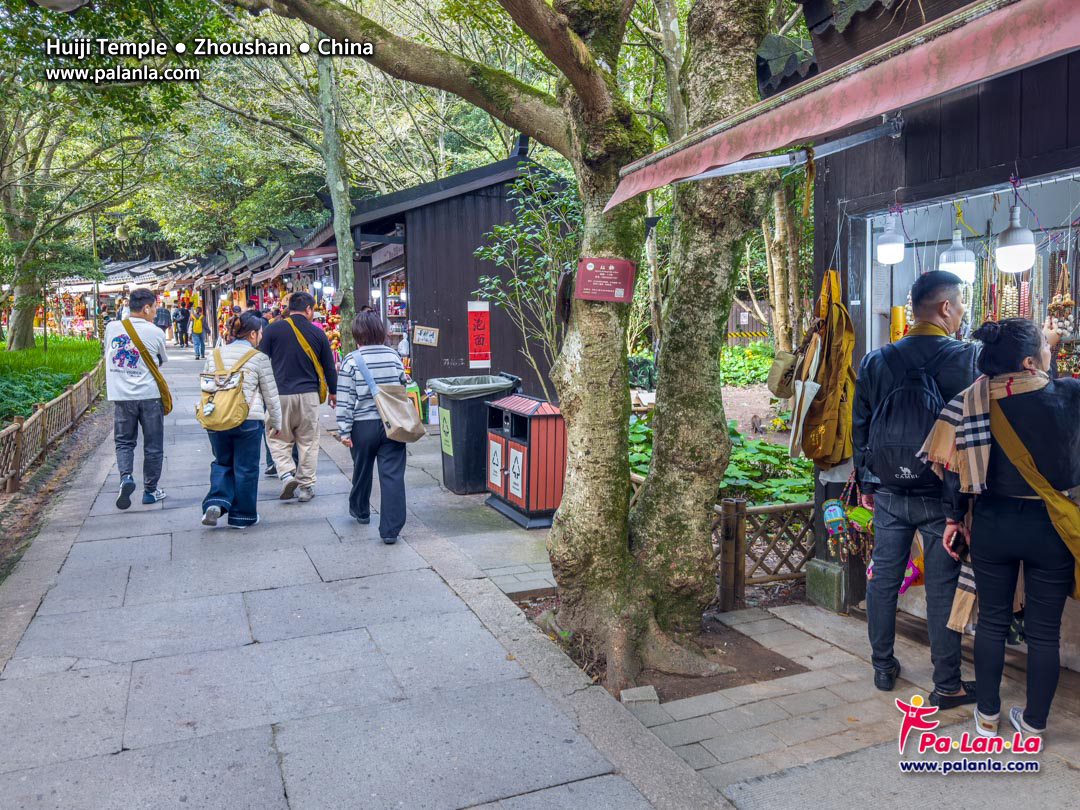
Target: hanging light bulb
[(890, 245), (1015, 251), (958, 260)]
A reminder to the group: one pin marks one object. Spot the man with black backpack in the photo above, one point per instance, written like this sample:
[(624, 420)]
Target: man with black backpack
[(899, 392)]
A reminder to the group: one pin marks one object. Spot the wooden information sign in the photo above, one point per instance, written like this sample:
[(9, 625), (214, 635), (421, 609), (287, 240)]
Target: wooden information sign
[(604, 280)]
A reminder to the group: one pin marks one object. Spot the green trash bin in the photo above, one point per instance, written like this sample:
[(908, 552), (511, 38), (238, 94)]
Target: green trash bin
[(463, 426)]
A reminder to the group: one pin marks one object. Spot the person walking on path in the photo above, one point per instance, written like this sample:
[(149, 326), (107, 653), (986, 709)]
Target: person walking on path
[(1012, 442), (197, 333), (304, 370), (134, 348), (362, 428), (185, 322), (899, 392), (234, 473), (162, 319)]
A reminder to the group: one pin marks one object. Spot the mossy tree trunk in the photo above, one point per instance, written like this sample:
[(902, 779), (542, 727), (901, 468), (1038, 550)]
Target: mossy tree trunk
[(671, 522)]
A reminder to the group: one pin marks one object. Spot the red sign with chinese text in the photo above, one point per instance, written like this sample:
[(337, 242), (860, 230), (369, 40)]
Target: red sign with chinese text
[(479, 335), (604, 280)]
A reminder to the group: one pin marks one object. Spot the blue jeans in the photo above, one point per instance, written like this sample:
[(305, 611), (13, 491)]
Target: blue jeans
[(234, 472), (200, 347), (896, 517)]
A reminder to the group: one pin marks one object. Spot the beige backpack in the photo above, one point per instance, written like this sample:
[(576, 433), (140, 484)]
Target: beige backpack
[(222, 405)]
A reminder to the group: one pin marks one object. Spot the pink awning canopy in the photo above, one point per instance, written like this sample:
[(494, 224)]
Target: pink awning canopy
[(984, 39)]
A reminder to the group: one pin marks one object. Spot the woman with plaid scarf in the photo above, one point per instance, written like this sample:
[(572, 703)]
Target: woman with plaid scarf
[(1013, 440)]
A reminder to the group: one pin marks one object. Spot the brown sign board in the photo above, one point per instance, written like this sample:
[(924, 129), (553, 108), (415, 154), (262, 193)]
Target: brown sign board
[(604, 280)]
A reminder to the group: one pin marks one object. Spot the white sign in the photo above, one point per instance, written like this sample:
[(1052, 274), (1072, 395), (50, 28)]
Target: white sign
[(517, 468), (425, 336), (744, 318), (494, 463)]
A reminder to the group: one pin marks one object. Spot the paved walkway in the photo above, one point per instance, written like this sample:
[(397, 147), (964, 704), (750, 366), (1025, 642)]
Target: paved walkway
[(300, 663)]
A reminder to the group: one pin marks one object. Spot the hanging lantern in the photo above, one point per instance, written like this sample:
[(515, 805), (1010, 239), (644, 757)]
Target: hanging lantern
[(958, 260), (1015, 251), (122, 233), (890, 245)]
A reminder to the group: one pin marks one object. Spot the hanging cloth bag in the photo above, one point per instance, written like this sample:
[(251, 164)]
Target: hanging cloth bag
[(1064, 513), (311, 356), (163, 387), (222, 405), (399, 416)]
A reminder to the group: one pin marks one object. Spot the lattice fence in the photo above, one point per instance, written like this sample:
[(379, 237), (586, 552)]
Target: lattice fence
[(754, 545), (25, 441)]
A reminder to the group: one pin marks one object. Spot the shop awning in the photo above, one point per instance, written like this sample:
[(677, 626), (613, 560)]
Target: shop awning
[(984, 39)]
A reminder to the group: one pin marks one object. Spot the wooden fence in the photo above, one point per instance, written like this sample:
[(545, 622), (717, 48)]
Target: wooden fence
[(28, 438), (744, 328), (754, 545)]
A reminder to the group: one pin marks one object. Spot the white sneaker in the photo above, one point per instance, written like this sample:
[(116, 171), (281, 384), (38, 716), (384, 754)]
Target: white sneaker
[(249, 524), (986, 725), (288, 486), (306, 494), (210, 517), (154, 497)]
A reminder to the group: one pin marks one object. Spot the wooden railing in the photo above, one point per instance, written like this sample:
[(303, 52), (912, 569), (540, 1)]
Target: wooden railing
[(754, 545), (28, 438)]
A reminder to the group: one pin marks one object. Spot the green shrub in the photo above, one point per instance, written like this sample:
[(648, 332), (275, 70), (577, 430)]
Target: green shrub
[(743, 366), (34, 375), (761, 472)]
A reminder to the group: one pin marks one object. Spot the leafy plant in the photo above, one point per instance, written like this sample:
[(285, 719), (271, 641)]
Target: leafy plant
[(743, 366), (758, 471), (34, 375)]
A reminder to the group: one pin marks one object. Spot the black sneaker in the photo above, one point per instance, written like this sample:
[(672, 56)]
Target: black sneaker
[(389, 540), (271, 470), (359, 519), (127, 486), (966, 696), (885, 681)]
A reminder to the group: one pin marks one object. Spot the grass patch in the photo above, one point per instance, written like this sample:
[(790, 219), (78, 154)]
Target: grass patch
[(35, 375)]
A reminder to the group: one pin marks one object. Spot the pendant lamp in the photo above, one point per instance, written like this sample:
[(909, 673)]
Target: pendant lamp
[(1015, 251), (890, 245), (958, 260)]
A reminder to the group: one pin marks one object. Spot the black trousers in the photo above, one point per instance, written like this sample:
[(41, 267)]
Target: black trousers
[(1006, 532), (370, 444)]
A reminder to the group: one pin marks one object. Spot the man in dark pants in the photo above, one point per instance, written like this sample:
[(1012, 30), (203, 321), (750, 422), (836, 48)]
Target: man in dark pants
[(899, 512), (136, 398)]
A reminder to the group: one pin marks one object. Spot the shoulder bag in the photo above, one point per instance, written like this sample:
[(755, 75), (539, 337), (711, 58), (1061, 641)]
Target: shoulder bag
[(151, 365), (222, 405), (399, 416), (311, 356)]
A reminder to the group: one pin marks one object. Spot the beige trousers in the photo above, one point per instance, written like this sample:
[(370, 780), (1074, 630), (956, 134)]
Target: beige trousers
[(299, 426)]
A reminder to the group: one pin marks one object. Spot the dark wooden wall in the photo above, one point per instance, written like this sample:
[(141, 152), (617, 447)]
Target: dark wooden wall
[(970, 139), (1026, 122), (443, 275)]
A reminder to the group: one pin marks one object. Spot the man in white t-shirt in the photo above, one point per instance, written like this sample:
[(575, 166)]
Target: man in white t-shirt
[(136, 398)]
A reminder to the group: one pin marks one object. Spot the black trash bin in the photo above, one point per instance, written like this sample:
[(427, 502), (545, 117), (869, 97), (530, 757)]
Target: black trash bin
[(463, 426)]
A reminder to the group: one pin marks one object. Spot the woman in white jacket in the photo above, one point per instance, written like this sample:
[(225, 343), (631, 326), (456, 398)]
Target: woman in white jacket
[(234, 473)]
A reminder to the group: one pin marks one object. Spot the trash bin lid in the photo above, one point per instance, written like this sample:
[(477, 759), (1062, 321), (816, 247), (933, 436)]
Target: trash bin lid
[(469, 387)]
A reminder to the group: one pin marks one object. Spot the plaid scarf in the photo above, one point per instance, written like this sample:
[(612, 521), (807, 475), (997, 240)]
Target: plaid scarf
[(960, 438)]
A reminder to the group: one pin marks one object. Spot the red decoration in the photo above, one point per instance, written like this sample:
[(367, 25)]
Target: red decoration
[(479, 335), (605, 280)]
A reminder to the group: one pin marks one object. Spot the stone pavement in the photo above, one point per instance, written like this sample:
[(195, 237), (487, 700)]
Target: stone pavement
[(151, 662), (829, 737)]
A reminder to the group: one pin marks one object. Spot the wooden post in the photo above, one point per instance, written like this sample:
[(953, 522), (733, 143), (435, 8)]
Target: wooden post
[(727, 554), (740, 548), (71, 407), (40, 406), (15, 480)]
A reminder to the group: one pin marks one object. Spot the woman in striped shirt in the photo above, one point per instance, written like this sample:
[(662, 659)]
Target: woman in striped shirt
[(362, 429)]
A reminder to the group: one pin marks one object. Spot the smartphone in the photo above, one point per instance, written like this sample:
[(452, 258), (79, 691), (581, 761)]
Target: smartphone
[(958, 544)]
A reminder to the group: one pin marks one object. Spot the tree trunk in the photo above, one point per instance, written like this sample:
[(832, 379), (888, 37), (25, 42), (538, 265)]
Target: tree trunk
[(671, 522), (21, 322), (656, 309), (791, 245), (337, 180), (777, 249)]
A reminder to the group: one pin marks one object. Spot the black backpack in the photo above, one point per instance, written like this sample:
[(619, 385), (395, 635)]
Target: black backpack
[(902, 421)]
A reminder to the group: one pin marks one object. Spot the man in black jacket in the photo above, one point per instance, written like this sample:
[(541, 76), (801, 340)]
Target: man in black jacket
[(297, 380), (899, 512)]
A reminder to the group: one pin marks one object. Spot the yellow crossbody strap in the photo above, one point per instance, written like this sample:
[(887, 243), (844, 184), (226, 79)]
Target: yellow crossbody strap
[(1064, 514), (311, 356), (163, 387)]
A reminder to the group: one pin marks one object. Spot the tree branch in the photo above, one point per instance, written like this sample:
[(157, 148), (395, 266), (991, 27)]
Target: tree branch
[(292, 132), (512, 101)]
